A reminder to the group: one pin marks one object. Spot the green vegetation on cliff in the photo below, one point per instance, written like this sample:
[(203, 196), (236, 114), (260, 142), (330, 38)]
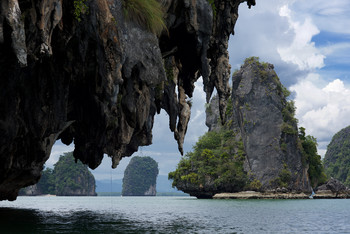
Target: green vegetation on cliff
[(312, 158), (213, 161), (258, 148), (67, 178), (146, 13), (72, 178), (337, 158), (47, 182), (140, 177)]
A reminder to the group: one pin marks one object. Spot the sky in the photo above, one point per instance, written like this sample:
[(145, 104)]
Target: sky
[(309, 44)]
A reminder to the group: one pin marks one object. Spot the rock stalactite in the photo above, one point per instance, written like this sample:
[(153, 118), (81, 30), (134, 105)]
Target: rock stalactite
[(98, 79)]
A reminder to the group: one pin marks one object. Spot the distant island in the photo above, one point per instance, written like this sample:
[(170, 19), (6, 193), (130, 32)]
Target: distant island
[(140, 177), (68, 178), (259, 148), (337, 158)]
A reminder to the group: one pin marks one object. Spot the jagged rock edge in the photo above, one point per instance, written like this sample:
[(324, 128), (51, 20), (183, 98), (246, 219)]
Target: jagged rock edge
[(58, 35)]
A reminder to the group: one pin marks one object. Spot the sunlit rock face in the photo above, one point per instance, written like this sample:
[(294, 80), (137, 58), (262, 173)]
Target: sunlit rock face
[(99, 80), (257, 117), (270, 137), (258, 148)]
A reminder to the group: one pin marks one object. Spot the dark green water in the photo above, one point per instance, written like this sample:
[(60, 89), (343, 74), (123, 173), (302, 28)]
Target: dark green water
[(172, 215)]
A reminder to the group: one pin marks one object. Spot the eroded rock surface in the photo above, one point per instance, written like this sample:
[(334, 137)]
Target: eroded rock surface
[(259, 116), (268, 129), (98, 80), (257, 149)]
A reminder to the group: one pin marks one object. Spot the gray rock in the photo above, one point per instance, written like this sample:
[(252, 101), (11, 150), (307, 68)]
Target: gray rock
[(100, 80), (257, 105), (334, 185), (258, 101)]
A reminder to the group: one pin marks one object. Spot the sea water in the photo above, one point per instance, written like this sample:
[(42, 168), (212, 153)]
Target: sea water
[(172, 215)]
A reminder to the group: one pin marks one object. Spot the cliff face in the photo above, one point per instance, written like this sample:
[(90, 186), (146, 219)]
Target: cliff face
[(32, 190), (140, 177), (86, 187), (79, 71), (68, 178), (267, 125), (258, 148)]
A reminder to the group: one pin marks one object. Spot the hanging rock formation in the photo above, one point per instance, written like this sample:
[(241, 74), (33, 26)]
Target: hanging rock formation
[(85, 74)]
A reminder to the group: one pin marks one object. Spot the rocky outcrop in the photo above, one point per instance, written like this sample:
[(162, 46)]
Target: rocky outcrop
[(32, 190), (260, 117), (269, 131), (68, 178), (333, 185), (83, 186), (333, 189), (140, 177), (152, 191), (88, 75), (258, 148)]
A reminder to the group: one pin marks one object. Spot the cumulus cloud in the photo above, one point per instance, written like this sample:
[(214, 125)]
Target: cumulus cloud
[(302, 51), (323, 108), (259, 32)]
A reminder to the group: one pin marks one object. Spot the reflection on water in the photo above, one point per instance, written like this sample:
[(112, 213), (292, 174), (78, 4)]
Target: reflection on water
[(172, 215), (14, 220)]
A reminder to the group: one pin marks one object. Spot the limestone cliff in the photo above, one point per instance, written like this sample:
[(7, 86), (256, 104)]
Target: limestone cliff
[(267, 125), (77, 70), (258, 148), (68, 178), (140, 177)]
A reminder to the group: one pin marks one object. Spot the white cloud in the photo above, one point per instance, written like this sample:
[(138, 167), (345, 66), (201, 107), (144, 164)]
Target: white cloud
[(302, 51), (323, 109)]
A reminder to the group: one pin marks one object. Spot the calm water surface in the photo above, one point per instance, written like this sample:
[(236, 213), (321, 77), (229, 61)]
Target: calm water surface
[(172, 215)]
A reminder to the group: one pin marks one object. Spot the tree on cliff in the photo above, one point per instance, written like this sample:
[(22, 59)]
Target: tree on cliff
[(312, 158), (213, 163), (46, 184), (140, 177), (337, 158)]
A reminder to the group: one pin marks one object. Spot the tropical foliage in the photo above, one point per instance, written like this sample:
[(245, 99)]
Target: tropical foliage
[(140, 174), (67, 176), (217, 158), (71, 176), (310, 156)]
